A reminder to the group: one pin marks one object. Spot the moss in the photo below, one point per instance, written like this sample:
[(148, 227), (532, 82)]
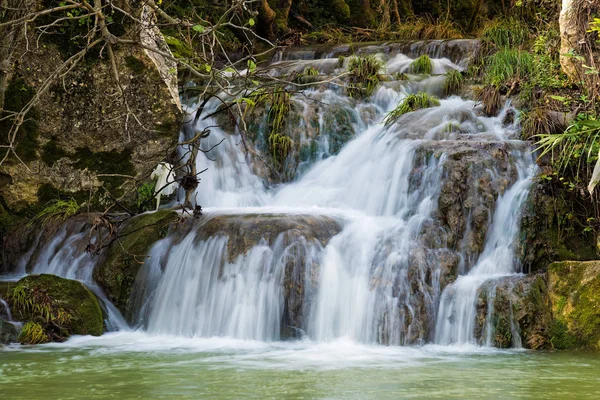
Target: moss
[(17, 95), (61, 307), (127, 254), (136, 65), (106, 162), (575, 295), (52, 152)]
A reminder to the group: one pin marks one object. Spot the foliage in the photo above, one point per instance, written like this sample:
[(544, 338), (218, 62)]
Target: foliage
[(145, 196), (33, 333), (508, 65), (280, 146), (364, 75), (422, 65), (411, 103), (56, 209), (453, 82), (490, 97), (310, 71), (574, 149), (538, 122), (505, 33)]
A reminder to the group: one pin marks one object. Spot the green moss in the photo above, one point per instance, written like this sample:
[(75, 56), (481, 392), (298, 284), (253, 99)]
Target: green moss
[(61, 307), (17, 95), (136, 65), (575, 294), (127, 254)]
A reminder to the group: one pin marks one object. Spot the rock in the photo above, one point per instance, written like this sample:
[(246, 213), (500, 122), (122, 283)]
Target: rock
[(120, 262), (54, 308), (518, 311), (82, 127), (575, 296), (8, 332)]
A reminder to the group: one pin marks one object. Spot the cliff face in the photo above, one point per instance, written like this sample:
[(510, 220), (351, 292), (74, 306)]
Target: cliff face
[(86, 126)]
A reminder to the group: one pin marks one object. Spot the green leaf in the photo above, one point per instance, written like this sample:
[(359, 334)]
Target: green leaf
[(251, 65), (251, 22), (198, 28)]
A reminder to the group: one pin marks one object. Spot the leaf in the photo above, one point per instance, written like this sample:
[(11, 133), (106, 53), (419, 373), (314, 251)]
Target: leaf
[(251, 22), (595, 177), (198, 28), (251, 65), (558, 98)]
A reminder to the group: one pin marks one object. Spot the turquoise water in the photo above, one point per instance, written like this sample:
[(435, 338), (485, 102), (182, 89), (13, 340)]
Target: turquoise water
[(136, 365)]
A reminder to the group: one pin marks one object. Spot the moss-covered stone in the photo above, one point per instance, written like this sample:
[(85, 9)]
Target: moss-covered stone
[(61, 307), (575, 295), (117, 272), (8, 332)]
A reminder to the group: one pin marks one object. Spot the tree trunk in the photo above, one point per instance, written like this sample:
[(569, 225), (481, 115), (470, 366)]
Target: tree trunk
[(570, 37), (396, 12)]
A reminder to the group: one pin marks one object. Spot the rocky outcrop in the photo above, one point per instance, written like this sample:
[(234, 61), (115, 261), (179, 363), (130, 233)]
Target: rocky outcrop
[(53, 308), (127, 252), (514, 311), (575, 297), (82, 129)]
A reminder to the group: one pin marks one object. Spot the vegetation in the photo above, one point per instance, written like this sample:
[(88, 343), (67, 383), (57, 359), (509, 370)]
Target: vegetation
[(454, 82), (364, 75), (421, 65), (508, 66), (56, 209), (505, 33), (411, 103)]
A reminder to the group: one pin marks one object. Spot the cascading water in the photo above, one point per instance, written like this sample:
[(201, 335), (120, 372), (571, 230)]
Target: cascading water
[(457, 313), (366, 240)]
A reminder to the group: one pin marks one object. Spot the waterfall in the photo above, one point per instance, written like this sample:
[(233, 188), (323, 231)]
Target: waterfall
[(456, 319), (379, 234)]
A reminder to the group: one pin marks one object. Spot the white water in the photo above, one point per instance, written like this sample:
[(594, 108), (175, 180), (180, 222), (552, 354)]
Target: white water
[(380, 279)]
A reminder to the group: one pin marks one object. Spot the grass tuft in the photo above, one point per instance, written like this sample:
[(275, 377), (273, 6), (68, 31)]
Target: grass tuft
[(505, 33), (508, 65), (421, 65), (56, 209), (364, 75), (411, 103), (453, 82)]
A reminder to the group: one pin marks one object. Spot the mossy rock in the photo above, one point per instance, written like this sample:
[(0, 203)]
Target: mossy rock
[(575, 296), (8, 332), (124, 257), (61, 307)]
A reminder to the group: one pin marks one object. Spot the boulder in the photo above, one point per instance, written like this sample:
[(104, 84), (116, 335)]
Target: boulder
[(575, 298), (53, 309)]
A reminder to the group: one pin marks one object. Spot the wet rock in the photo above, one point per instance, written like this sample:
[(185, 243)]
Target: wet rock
[(120, 262), (575, 297), (53, 308), (513, 312), (8, 332)]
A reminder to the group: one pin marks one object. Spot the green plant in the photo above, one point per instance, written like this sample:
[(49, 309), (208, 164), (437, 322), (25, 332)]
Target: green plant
[(538, 122), (421, 65), (575, 148), (411, 103), (401, 76), (453, 82), (490, 97), (503, 33), (280, 146), (364, 75), (33, 333), (508, 65), (144, 196), (56, 209), (310, 71)]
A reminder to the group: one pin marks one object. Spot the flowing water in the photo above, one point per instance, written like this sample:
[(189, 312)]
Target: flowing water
[(364, 282)]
